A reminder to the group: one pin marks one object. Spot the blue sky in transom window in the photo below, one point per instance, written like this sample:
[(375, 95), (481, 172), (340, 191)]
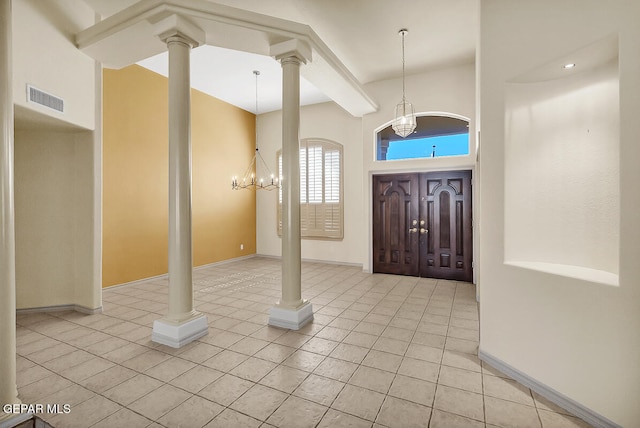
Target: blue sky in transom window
[(447, 145)]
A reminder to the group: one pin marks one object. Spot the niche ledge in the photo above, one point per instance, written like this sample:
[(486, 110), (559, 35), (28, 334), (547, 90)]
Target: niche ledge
[(569, 271)]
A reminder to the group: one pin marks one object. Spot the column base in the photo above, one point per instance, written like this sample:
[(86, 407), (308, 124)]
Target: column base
[(177, 335), (291, 318), (8, 420)]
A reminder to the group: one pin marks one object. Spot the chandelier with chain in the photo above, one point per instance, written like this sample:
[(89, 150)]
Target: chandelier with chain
[(405, 118), (249, 180)]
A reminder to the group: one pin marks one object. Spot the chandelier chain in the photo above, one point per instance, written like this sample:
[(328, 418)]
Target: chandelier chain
[(405, 120), (250, 179), (256, 73), (403, 32)]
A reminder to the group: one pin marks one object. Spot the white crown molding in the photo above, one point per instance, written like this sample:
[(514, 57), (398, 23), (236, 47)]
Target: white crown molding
[(176, 25), (291, 48)]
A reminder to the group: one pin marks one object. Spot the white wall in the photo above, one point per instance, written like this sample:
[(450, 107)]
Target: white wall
[(57, 158), (450, 90), (562, 168), (44, 185), (577, 337), (45, 56), (54, 209), (331, 122)]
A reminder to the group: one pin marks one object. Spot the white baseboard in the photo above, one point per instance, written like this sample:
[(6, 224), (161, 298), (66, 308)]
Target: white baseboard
[(166, 275), (326, 262), (550, 394), (333, 262), (224, 262), (61, 308), (136, 282), (235, 259)]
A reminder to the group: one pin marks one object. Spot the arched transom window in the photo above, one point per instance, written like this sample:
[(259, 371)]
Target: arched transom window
[(435, 136)]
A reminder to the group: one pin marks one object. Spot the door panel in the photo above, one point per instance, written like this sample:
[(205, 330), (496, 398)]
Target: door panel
[(422, 225), (395, 237), (445, 205)]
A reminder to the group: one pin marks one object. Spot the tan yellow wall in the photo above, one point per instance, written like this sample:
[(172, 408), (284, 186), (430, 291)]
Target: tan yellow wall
[(135, 177)]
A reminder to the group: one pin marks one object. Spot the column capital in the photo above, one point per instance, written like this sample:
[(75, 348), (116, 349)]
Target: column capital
[(176, 27), (293, 48)]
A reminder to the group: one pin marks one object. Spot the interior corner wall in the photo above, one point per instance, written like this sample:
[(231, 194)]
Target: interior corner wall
[(57, 156), (576, 337), (87, 214), (328, 121), (54, 202), (135, 177)]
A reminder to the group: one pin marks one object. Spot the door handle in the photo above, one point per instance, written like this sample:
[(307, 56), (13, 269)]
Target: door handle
[(413, 230), (423, 230)]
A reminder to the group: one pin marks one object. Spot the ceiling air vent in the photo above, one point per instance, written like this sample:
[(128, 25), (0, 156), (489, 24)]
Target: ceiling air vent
[(35, 95)]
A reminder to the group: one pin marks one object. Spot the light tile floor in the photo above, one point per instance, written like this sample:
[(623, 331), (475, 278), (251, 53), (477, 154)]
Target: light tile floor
[(382, 351)]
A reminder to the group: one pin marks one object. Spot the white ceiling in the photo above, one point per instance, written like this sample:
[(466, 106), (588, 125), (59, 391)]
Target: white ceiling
[(228, 75), (363, 34)]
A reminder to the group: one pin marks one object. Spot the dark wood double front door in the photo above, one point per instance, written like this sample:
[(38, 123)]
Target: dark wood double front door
[(422, 225)]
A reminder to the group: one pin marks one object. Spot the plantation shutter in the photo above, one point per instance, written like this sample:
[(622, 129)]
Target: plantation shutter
[(332, 200), (321, 208)]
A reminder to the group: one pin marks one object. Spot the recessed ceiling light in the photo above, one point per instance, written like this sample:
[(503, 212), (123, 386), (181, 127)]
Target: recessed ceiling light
[(568, 66)]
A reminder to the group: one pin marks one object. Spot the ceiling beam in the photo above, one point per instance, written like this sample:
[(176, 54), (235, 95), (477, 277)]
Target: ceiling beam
[(128, 37)]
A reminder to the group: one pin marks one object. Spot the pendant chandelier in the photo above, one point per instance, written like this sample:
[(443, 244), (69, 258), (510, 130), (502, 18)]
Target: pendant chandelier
[(249, 180), (405, 118)]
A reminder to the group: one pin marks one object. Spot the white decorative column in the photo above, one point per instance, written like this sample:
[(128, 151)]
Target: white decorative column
[(291, 312), (182, 324), (8, 389)]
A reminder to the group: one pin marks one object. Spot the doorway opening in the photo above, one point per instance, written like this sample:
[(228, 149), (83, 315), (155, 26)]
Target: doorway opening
[(422, 225)]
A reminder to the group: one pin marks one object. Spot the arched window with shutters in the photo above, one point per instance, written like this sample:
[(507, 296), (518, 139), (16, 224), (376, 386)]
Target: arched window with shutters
[(321, 206)]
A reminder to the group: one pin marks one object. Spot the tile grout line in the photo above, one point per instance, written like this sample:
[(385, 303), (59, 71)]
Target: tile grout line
[(397, 292)]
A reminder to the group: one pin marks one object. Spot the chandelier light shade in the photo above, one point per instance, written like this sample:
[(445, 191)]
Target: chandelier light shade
[(249, 180), (404, 122)]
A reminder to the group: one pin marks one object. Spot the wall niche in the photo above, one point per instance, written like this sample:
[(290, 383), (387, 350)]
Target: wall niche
[(562, 193)]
